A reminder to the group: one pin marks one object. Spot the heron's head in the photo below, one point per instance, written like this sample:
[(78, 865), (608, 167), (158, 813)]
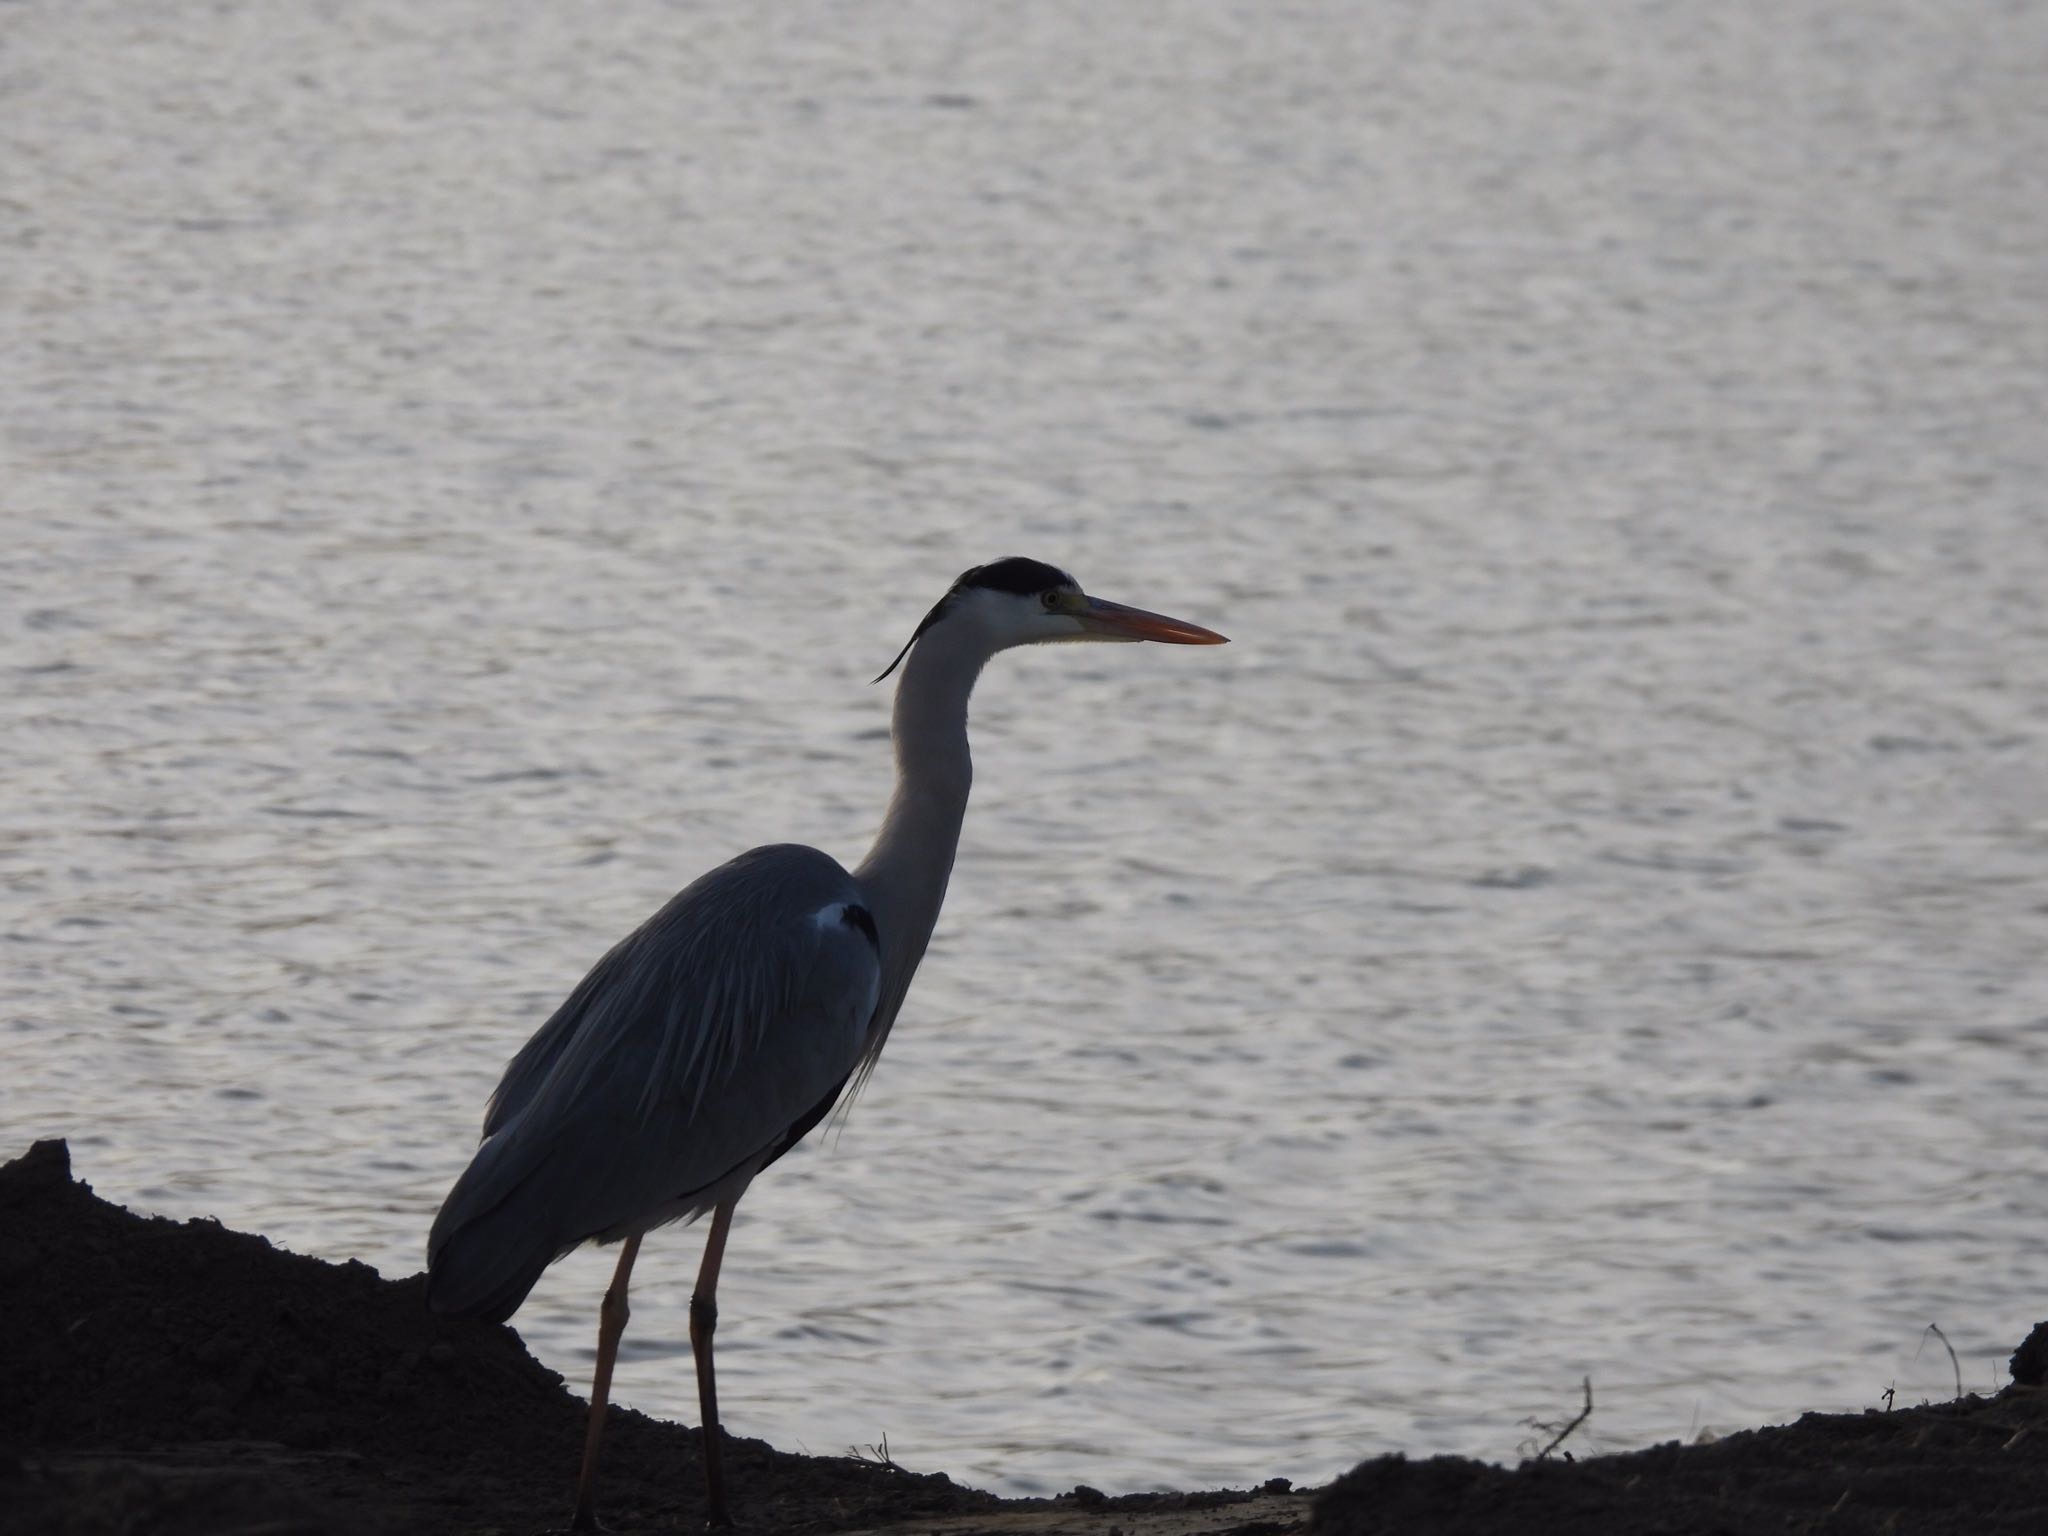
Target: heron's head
[(1027, 602)]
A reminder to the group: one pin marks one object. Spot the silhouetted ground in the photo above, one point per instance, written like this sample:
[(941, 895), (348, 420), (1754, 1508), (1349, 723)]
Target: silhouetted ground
[(160, 1378), (1974, 1467)]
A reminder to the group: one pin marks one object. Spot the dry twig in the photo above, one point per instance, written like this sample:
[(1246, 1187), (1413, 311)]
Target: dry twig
[(878, 1454), (1558, 1439), (1955, 1364)]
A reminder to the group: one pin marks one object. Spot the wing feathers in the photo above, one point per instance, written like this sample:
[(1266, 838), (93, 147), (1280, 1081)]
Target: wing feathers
[(697, 1050)]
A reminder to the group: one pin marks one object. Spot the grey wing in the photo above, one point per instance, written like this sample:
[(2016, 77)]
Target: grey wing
[(693, 1054)]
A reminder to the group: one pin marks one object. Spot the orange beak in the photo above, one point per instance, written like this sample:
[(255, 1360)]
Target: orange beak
[(1113, 621)]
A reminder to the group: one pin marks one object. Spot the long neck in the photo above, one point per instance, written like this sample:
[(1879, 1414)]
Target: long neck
[(904, 875)]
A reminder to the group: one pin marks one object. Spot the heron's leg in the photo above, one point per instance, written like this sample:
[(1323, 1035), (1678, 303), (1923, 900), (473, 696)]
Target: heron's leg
[(704, 1323), (611, 1323)]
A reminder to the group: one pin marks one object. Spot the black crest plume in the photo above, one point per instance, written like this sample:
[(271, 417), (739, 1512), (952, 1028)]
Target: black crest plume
[(1015, 574)]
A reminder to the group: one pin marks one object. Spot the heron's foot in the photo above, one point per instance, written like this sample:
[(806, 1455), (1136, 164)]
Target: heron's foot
[(583, 1523)]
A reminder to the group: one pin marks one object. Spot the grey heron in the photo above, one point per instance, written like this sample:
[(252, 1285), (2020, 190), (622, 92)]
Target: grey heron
[(709, 1040)]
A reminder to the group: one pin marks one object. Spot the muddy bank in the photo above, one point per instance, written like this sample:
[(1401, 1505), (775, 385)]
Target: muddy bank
[(167, 1377), (161, 1376)]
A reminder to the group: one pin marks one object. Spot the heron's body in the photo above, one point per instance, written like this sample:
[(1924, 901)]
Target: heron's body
[(607, 1125), (715, 1036)]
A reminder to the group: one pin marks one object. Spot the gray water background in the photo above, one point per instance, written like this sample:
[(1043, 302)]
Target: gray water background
[(463, 463)]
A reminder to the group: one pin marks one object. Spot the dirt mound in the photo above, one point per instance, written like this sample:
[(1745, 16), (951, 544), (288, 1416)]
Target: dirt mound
[(1973, 1467), (316, 1396), (160, 1378)]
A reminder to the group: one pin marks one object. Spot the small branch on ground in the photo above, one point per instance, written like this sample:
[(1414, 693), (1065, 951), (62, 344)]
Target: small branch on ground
[(878, 1454), (1586, 1384)]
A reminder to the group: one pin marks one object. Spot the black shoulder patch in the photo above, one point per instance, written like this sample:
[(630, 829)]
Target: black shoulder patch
[(855, 916)]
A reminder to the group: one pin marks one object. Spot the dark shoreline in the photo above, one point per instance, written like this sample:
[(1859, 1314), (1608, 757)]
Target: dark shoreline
[(167, 1377)]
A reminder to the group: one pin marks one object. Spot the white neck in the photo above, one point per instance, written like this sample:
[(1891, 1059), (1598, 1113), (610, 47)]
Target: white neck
[(904, 875)]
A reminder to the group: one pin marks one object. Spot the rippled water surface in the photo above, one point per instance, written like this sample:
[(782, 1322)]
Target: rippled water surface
[(463, 464)]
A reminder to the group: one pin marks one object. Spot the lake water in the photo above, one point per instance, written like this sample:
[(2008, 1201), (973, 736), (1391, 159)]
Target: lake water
[(463, 464)]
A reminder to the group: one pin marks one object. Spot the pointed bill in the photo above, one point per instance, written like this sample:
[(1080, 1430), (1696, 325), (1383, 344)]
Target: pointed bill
[(1114, 621)]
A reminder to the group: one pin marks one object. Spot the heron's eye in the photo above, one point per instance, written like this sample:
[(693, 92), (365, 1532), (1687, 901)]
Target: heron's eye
[(1051, 599)]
